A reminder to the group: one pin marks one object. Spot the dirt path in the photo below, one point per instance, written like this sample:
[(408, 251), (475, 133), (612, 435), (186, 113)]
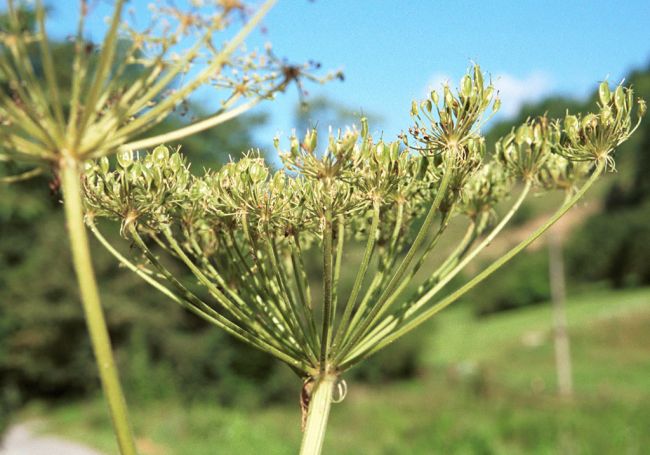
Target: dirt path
[(23, 439)]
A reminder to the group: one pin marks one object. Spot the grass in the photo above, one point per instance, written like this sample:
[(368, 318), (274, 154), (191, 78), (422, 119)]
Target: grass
[(487, 387), (461, 337)]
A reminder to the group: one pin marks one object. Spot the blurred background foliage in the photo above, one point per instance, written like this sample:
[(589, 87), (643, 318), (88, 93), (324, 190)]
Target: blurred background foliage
[(165, 353)]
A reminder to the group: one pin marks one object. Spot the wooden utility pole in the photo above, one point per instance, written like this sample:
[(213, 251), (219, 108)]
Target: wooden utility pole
[(558, 295)]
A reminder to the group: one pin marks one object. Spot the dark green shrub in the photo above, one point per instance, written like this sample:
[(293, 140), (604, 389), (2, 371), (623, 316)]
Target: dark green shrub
[(522, 282), (613, 246)]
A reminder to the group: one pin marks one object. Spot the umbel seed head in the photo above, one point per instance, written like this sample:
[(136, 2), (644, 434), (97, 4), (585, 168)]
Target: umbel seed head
[(245, 230), (594, 136)]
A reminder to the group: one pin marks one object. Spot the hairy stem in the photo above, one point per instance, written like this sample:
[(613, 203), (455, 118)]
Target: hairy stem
[(71, 187)]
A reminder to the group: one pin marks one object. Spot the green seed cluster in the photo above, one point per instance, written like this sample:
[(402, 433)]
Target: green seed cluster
[(594, 136), (244, 230)]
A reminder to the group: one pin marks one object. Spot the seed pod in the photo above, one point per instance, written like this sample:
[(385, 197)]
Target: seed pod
[(311, 140), (496, 105), (619, 98), (152, 174), (414, 109), (449, 98), (444, 117), (537, 132), (294, 146), (478, 77), (466, 86), (571, 126), (523, 134), (135, 172), (160, 154), (125, 158), (488, 93), (589, 121), (604, 93), (630, 99), (643, 108), (434, 97), (364, 122), (278, 182), (175, 162), (394, 150), (257, 172), (104, 164), (379, 156)]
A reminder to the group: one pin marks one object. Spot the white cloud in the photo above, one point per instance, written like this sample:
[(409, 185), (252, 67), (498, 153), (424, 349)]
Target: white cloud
[(515, 92)]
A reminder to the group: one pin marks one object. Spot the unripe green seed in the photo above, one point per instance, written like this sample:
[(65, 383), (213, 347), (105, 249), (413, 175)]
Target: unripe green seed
[(643, 108), (604, 93), (434, 97), (478, 77), (619, 98), (160, 154), (125, 158), (466, 86)]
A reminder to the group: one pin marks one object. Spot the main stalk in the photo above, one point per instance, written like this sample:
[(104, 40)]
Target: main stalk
[(95, 321), (317, 415)]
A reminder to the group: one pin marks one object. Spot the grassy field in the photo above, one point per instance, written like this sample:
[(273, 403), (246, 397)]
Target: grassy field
[(488, 387)]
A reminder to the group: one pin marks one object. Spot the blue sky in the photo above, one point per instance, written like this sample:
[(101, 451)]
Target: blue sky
[(391, 51)]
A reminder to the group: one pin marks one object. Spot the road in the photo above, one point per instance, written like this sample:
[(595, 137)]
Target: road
[(23, 439)]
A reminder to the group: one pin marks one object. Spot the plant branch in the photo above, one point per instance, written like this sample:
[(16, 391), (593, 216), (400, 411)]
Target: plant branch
[(416, 321), (71, 187), (317, 415)]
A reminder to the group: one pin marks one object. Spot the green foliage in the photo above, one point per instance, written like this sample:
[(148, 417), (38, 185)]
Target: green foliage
[(613, 246), (522, 282)]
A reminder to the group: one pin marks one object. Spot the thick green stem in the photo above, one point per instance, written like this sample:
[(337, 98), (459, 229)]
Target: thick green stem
[(71, 187), (317, 415)]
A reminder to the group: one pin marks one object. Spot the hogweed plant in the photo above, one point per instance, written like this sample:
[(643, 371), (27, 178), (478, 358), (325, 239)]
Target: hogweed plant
[(135, 79), (244, 231)]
